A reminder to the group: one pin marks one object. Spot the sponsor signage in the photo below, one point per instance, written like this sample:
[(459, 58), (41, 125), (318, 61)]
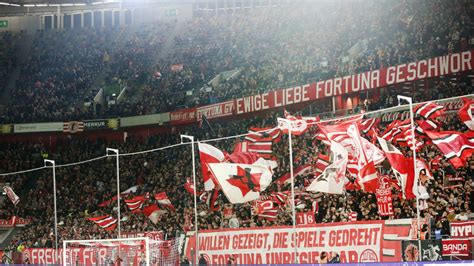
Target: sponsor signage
[(215, 110), (462, 230), (101, 124), (456, 247), (38, 127), (431, 250)]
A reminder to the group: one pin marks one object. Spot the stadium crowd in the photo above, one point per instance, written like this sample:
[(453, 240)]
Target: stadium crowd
[(270, 49)]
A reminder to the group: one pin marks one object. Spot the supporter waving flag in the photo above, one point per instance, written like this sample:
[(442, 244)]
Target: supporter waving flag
[(429, 110), (11, 195), (209, 154), (466, 113), (164, 201), (105, 221), (455, 146), (242, 182)]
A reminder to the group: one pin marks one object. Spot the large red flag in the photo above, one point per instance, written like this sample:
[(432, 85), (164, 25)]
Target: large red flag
[(455, 146), (402, 168), (429, 110)]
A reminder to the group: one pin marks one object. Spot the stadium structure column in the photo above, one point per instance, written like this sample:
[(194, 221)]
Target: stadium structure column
[(410, 102), (292, 178), (53, 165), (116, 151), (196, 251)]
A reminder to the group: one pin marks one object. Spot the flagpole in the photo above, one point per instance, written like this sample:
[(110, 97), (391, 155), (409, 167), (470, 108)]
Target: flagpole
[(412, 122), (116, 151), (196, 249), (290, 150), (53, 164)]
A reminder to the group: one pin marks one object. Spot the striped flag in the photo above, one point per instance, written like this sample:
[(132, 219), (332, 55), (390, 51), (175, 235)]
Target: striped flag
[(105, 222), (260, 141), (367, 124), (352, 217), (209, 154), (429, 110), (321, 163), (135, 204), (164, 201), (299, 171), (456, 147)]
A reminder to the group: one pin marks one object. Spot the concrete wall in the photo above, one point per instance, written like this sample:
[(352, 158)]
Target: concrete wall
[(17, 23)]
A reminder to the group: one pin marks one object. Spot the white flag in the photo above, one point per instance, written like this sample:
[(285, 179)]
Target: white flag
[(241, 182), (333, 178)]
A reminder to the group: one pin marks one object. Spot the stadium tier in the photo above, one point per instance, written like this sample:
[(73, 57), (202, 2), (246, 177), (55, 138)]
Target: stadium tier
[(236, 132)]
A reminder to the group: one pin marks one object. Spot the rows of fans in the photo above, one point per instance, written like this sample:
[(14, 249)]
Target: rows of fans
[(87, 190), (270, 49)]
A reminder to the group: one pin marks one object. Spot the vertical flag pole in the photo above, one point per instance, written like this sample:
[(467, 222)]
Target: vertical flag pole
[(290, 150), (196, 250), (53, 164), (116, 151), (410, 101)]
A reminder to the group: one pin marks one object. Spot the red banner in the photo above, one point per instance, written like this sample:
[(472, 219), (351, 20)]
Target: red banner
[(456, 247), (14, 222), (305, 218), (183, 116), (462, 229), (433, 67), (372, 241), (215, 110), (384, 202)]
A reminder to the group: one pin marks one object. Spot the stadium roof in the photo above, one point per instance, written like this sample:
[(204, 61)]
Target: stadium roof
[(41, 3)]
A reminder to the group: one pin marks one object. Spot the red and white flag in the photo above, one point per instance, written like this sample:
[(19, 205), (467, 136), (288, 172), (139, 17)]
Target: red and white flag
[(280, 198), (210, 198), (260, 141), (297, 126), (322, 162), (367, 177), (466, 113), (298, 171), (265, 210), (164, 201), (153, 212), (242, 182), (352, 217), (367, 124), (401, 167), (455, 146), (429, 110), (11, 195), (209, 154), (190, 188), (333, 178), (106, 222), (135, 204)]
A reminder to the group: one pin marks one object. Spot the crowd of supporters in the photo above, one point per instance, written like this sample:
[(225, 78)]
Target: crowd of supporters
[(8, 56), (268, 49), (82, 187)]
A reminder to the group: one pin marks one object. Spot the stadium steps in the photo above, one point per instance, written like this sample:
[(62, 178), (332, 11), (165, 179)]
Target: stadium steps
[(24, 50)]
